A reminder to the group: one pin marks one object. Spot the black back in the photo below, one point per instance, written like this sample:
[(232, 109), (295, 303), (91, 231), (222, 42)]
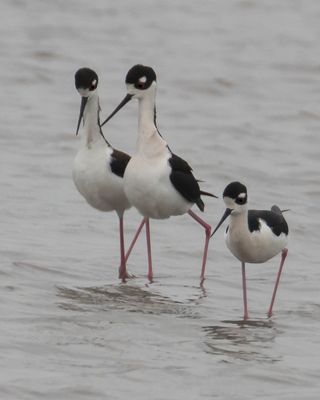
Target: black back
[(273, 219), (184, 182), (119, 162)]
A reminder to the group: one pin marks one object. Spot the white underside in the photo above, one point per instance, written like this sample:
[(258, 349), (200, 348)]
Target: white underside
[(148, 187), (253, 247), (93, 178), (147, 177)]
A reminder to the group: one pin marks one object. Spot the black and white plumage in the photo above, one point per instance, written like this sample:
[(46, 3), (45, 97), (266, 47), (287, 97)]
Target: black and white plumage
[(253, 236), (184, 182), (98, 168), (157, 182), (274, 219)]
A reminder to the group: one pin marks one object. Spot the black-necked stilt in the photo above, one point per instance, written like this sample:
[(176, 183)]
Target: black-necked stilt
[(157, 182), (253, 236), (98, 168)]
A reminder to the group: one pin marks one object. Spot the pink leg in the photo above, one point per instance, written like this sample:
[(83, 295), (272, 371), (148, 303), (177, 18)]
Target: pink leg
[(244, 290), (135, 238), (150, 272), (283, 257), (207, 228), (122, 269)]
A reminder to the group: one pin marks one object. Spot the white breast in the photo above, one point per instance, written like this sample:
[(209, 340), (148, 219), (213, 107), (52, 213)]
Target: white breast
[(148, 187), (93, 178), (253, 247)]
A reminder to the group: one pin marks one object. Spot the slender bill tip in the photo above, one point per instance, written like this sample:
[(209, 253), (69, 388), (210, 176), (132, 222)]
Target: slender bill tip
[(224, 217), (82, 107), (118, 108)]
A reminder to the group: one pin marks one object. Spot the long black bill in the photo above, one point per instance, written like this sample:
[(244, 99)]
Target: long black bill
[(224, 217), (82, 107), (122, 104)]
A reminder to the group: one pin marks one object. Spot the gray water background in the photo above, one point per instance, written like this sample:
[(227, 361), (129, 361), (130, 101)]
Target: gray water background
[(238, 97)]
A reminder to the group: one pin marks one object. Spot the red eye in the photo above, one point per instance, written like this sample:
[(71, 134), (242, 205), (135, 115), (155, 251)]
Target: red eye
[(93, 85), (140, 85), (141, 82), (241, 200)]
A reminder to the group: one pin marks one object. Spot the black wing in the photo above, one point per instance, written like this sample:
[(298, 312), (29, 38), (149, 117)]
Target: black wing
[(183, 180), (273, 219), (119, 162)]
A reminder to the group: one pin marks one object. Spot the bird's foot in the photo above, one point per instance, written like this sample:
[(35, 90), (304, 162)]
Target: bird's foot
[(125, 274), (130, 275)]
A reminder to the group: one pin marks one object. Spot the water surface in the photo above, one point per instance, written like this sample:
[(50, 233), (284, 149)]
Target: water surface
[(238, 97)]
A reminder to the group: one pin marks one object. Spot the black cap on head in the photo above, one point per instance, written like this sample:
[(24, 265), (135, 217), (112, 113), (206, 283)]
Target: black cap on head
[(141, 76), (86, 78), (233, 190)]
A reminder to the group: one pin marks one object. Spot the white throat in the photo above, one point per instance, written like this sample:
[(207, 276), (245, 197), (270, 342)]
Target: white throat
[(91, 126), (239, 218)]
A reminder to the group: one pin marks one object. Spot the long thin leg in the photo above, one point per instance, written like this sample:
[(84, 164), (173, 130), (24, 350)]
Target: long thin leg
[(122, 269), (244, 290), (207, 228), (150, 272), (135, 238), (283, 257)]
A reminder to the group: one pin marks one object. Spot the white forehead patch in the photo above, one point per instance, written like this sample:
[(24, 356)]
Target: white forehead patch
[(94, 82), (242, 195), (143, 79)]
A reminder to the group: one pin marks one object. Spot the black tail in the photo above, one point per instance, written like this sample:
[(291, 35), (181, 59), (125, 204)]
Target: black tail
[(208, 194), (200, 204), (277, 210)]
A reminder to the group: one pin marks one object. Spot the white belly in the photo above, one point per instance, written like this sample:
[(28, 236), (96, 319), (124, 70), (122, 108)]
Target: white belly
[(93, 178), (254, 247), (148, 187)]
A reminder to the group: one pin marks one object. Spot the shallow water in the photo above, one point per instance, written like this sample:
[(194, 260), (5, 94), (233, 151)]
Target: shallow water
[(238, 97)]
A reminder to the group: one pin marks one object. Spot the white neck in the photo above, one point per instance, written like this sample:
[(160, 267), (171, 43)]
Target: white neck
[(149, 141), (91, 127), (239, 220)]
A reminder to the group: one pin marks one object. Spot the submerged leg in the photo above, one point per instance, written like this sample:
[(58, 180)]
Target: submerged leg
[(150, 272), (283, 257), (122, 269), (207, 228), (244, 290)]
